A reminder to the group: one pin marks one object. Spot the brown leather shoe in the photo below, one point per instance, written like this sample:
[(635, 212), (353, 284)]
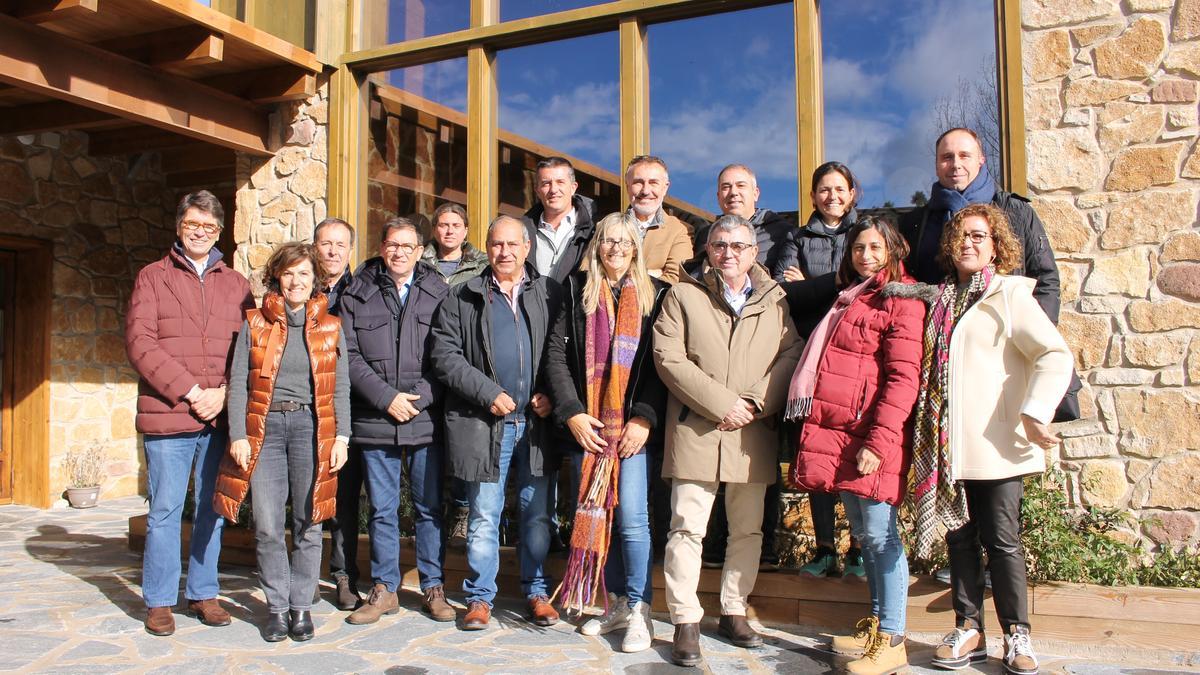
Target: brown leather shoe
[(208, 611), (737, 629), (160, 621), (380, 602), (435, 605), (347, 597), (541, 612), (478, 616), (685, 649)]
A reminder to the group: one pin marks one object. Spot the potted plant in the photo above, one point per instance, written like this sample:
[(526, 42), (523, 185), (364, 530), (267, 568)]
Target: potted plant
[(85, 471)]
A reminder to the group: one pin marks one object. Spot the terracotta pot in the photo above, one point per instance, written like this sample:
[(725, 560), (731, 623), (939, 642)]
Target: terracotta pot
[(83, 497)]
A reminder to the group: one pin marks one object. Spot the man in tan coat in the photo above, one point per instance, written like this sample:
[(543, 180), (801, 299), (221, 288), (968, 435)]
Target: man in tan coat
[(666, 240), (725, 347)]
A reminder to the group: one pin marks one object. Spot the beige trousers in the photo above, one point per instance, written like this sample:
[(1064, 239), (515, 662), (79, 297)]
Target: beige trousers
[(691, 503)]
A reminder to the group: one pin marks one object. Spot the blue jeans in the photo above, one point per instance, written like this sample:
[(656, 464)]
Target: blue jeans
[(483, 526), (383, 466), (627, 570), (874, 525), (170, 461)]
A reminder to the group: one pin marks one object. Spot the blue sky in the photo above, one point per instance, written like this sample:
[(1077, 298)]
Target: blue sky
[(722, 90)]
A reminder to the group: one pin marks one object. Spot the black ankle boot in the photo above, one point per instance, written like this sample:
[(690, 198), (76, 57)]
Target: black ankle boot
[(302, 625), (277, 626)]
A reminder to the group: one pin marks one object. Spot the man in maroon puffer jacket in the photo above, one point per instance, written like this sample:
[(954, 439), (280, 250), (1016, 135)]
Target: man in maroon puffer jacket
[(184, 314)]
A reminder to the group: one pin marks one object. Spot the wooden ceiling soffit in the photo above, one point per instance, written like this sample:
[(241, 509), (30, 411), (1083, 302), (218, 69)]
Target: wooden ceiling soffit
[(174, 49), (45, 11), (137, 139), (267, 85), (36, 118), (37, 59)]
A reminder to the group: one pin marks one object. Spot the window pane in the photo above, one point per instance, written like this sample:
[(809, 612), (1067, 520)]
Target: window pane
[(520, 9), (390, 21), (560, 98), (891, 87), (417, 143), (714, 106)]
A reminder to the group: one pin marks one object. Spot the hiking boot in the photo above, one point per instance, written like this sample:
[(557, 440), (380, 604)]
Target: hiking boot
[(347, 597), (380, 602), (685, 647), (435, 604), (208, 611), (823, 564), (960, 647), (160, 621), (1019, 658), (857, 643), (852, 565), (615, 618), (639, 632), (541, 612), (479, 613), (885, 655), (737, 629), (458, 530)]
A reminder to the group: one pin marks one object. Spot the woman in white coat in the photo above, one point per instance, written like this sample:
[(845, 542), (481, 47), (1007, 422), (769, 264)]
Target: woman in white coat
[(993, 371)]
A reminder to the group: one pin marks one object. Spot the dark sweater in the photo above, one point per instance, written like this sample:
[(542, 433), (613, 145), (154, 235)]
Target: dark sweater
[(513, 356)]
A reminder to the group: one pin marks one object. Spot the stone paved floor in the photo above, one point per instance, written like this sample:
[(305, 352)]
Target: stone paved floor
[(70, 603)]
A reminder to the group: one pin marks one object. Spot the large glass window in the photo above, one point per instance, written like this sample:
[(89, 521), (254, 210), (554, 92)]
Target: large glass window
[(891, 87), (390, 21), (521, 9), (416, 143), (560, 98), (722, 91)]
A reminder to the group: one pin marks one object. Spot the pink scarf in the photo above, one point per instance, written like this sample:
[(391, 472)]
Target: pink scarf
[(804, 380)]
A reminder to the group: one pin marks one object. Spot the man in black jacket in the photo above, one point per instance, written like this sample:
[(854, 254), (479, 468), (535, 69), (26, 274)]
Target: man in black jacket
[(489, 338), (561, 224), (386, 313), (962, 179), (738, 194)]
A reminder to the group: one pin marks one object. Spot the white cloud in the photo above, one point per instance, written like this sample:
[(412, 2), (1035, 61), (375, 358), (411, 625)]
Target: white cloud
[(946, 41), (846, 80), (759, 46), (581, 122)]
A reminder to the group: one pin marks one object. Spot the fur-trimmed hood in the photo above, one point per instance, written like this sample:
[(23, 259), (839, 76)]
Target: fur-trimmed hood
[(926, 293)]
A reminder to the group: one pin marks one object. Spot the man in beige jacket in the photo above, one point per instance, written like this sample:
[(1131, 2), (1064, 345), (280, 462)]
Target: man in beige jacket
[(666, 240), (725, 347)]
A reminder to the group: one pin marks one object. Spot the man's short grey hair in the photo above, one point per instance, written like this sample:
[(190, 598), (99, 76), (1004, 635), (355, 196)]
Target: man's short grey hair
[(743, 167), (503, 217), (399, 223), (329, 222), (731, 222)]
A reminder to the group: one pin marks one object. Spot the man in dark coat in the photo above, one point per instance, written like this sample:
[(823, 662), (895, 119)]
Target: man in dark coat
[(738, 194), (489, 338), (963, 178), (386, 314), (561, 224)]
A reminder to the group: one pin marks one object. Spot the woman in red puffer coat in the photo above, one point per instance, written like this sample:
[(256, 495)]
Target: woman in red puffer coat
[(854, 389)]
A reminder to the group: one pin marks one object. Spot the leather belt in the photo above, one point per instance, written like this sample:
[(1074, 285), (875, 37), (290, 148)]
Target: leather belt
[(287, 406)]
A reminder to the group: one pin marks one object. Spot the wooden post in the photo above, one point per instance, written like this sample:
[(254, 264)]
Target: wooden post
[(810, 106), (635, 92)]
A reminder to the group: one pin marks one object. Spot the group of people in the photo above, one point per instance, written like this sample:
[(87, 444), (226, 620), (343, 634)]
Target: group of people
[(574, 342)]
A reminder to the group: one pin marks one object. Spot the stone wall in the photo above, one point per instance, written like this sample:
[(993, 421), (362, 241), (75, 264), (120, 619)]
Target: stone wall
[(107, 217), (283, 197), (1114, 168)]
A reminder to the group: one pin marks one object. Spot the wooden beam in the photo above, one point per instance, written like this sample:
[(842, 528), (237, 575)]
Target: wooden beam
[(205, 178), (36, 118), (37, 59), (518, 33), (482, 170), (135, 139), (197, 157), (1011, 102), (45, 11), (347, 197), (810, 100), (172, 49), (635, 93), (268, 85)]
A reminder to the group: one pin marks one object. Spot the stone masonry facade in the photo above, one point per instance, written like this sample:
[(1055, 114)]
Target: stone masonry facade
[(1111, 93), (106, 217)]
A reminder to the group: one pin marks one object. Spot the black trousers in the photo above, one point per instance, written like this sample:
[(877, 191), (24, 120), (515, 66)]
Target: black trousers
[(995, 525), (343, 527)]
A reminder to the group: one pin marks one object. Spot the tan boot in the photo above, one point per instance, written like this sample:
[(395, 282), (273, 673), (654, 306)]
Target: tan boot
[(882, 657), (434, 604), (856, 644), (381, 602)]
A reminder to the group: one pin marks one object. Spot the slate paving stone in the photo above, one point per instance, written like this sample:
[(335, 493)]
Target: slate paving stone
[(92, 649), (320, 662)]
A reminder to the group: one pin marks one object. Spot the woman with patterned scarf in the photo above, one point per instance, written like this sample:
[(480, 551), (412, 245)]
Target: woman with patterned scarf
[(993, 371), (608, 395)]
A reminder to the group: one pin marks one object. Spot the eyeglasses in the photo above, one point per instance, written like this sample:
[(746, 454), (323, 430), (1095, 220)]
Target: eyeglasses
[(193, 225), (737, 247), (619, 244), (977, 237), (391, 247)]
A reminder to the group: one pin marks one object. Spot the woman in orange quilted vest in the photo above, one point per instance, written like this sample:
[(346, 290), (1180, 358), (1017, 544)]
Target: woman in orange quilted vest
[(289, 423)]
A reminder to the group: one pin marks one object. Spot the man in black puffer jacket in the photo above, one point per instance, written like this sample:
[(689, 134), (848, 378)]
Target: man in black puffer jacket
[(561, 224), (738, 193), (963, 179)]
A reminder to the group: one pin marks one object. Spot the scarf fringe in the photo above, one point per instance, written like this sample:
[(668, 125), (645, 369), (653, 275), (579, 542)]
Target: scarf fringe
[(798, 409)]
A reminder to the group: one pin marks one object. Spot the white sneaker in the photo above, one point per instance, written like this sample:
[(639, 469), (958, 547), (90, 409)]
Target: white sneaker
[(640, 632), (615, 618)]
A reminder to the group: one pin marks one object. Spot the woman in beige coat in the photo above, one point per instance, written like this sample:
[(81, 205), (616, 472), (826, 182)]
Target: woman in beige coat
[(994, 369)]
